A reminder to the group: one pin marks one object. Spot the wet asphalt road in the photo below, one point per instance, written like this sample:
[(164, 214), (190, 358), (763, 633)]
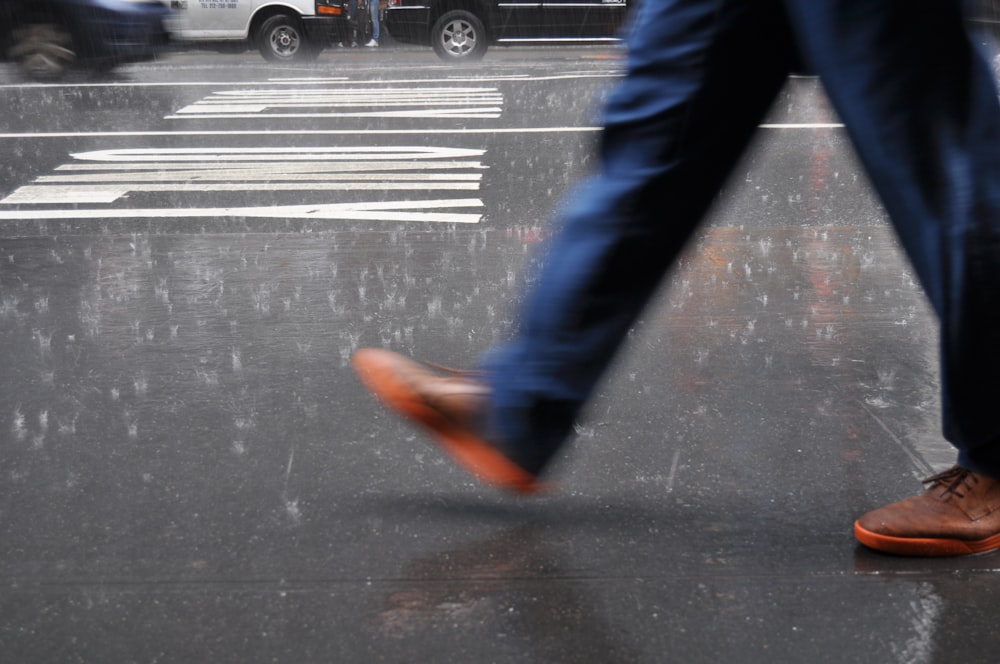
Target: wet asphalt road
[(190, 252)]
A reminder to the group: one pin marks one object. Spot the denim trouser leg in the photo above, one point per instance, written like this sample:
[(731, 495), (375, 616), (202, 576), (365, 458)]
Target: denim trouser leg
[(700, 75), (925, 120)]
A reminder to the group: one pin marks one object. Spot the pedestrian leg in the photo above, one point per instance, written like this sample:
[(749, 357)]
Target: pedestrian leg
[(926, 124), (700, 76)]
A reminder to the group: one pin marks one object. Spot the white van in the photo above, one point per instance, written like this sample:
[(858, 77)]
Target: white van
[(283, 30)]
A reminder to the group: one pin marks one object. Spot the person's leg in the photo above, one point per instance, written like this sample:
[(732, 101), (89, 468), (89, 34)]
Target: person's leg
[(926, 123), (921, 107), (373, 8), (353, 21), (700, 76)]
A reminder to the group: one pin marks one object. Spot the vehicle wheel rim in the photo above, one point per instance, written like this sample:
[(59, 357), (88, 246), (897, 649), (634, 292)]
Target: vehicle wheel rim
[(458, 37), (284, 41), (43, 50)]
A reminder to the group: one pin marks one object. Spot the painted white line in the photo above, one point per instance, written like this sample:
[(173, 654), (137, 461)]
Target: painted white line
[(106, 176), (363, 93), (444, 113), (405, 102), (301, 132), (209, 107), (333, 153), (97, 193), (374, 211), (457, 131), (317, 81), (306, 79), (342, 168), (196, 177), (803, 125)]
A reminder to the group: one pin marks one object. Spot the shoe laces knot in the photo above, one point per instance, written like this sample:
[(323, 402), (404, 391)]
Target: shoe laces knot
[(955, 480)]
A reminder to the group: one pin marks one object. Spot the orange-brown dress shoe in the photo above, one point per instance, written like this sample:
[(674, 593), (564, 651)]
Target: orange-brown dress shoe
[(958, 514), (451, 406)]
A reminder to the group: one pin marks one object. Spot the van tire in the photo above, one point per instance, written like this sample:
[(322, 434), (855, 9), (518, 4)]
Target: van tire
[(281, 38)]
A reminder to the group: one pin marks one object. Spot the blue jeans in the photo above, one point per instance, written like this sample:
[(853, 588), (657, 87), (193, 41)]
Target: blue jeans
[(373, 8), (921, 107)]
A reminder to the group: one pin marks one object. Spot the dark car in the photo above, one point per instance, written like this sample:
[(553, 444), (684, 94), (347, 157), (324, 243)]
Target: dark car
[(48, 37), (464, 29)]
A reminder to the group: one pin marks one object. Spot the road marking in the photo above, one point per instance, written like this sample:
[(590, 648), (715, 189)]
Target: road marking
[(371, 102), (469, 131), (461, 114), (106, 177), (320, 81), (344, 168), (302, 132), (63, 194), (289, 154), (803, 125), (372, 211), (494, 78), (410, 95)]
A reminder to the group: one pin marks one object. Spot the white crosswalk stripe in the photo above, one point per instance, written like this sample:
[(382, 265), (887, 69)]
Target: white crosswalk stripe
[(393, 102), (110, 177)]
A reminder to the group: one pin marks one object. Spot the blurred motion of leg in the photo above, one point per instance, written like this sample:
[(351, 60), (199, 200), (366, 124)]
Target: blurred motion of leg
[(698, 81), (451, 406)]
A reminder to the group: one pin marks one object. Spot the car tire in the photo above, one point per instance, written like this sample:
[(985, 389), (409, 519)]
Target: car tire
[(459, 35), (280, 38), (43, 50)]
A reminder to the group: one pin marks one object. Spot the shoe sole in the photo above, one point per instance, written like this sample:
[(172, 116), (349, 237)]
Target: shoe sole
[(924, 546), (375, 368)]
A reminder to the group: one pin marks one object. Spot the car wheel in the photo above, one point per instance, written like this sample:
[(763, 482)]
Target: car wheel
[(280, 39), (43, 51), (459, 35)]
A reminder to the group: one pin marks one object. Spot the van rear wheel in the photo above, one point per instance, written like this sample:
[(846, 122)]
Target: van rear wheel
[(282, 39)]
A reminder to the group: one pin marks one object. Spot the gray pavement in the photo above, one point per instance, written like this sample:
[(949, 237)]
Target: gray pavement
[(189, 472)]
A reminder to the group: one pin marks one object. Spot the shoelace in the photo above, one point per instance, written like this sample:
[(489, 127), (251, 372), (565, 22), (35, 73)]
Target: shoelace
[(952, 480)]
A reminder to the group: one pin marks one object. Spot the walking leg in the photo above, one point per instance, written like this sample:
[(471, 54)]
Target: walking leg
[(700, 76)]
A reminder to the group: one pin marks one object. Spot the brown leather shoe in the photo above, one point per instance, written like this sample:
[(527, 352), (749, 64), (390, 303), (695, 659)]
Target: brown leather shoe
[(450, 405), (958, 514)]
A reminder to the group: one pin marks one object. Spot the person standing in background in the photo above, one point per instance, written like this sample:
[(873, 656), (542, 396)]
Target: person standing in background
[(373, 8)]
